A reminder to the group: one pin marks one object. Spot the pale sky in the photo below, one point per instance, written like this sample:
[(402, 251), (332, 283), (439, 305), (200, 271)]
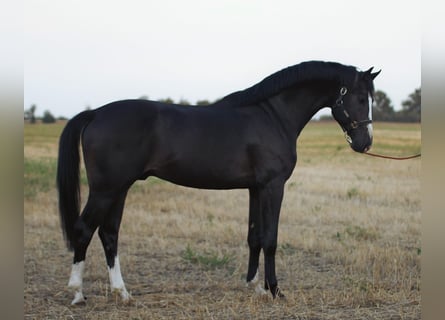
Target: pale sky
[(82, 53)]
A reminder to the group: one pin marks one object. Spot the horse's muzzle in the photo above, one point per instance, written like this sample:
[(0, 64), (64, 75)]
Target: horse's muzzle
[(360, 139)]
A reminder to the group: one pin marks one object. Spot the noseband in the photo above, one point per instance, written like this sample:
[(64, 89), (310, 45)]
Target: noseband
[(342, 116)]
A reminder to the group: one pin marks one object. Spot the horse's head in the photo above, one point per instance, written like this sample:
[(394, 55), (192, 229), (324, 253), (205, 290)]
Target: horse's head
[(353, 111)]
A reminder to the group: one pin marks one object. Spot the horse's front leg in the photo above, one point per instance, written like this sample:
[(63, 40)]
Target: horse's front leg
[(271, 198), (255, 230)]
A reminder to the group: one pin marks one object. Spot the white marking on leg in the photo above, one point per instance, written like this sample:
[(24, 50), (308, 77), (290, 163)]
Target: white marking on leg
[(75, 282), (258, 288), (253, 281), (78, 297), (116, 281)]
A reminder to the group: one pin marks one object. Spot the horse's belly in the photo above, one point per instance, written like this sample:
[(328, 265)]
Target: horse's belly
[(203, 177)]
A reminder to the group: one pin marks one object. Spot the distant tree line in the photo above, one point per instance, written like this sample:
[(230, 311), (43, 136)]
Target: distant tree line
[(181, 101), (30, 116), (382, 109)]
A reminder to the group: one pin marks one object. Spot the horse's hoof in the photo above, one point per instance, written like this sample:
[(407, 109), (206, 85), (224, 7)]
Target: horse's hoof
[(122, 295), (127, 300), (260, 291), (79, 298), (278, 294)]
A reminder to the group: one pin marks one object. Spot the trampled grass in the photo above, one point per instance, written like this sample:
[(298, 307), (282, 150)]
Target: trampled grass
[(349, 239)]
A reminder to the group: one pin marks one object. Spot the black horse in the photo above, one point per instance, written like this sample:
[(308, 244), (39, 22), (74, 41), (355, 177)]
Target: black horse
[(245, 140)]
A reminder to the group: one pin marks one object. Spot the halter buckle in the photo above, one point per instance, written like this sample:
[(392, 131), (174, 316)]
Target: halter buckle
[(339, 101)]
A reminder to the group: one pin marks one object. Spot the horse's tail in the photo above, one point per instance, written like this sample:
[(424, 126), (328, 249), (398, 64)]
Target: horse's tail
[(68, 174)]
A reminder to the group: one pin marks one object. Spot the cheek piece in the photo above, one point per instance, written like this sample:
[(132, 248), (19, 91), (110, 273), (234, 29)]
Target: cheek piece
[(343, 118)]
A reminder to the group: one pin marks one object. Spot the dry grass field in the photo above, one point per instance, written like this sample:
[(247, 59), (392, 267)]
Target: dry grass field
[(349, 239)]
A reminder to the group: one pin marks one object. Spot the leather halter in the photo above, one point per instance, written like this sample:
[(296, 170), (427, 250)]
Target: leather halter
[(342, 116)]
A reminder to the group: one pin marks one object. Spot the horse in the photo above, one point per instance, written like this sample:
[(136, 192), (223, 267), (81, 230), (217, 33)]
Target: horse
[(246, 140)]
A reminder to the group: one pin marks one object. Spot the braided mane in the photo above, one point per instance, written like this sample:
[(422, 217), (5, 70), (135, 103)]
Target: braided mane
[(285, 78)]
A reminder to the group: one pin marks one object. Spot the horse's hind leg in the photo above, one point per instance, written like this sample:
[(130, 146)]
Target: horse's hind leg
[(108, 233), (87, 223), (76, 282)]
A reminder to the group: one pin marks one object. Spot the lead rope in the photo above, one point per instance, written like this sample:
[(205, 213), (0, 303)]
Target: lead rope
[(392, 158)]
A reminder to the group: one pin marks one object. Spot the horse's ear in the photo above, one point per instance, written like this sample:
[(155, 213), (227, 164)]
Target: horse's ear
[(372, 76), (375, 74), (369, 70)]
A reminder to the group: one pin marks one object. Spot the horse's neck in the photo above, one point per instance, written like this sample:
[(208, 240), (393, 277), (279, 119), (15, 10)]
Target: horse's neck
[(298, 105)]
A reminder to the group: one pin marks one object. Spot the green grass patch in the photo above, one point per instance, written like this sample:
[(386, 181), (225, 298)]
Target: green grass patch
[(357, 233), (144, 186), (324, 139), (38, 133), (287, 249), (39, 176), (209, 260), (353, 193)]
